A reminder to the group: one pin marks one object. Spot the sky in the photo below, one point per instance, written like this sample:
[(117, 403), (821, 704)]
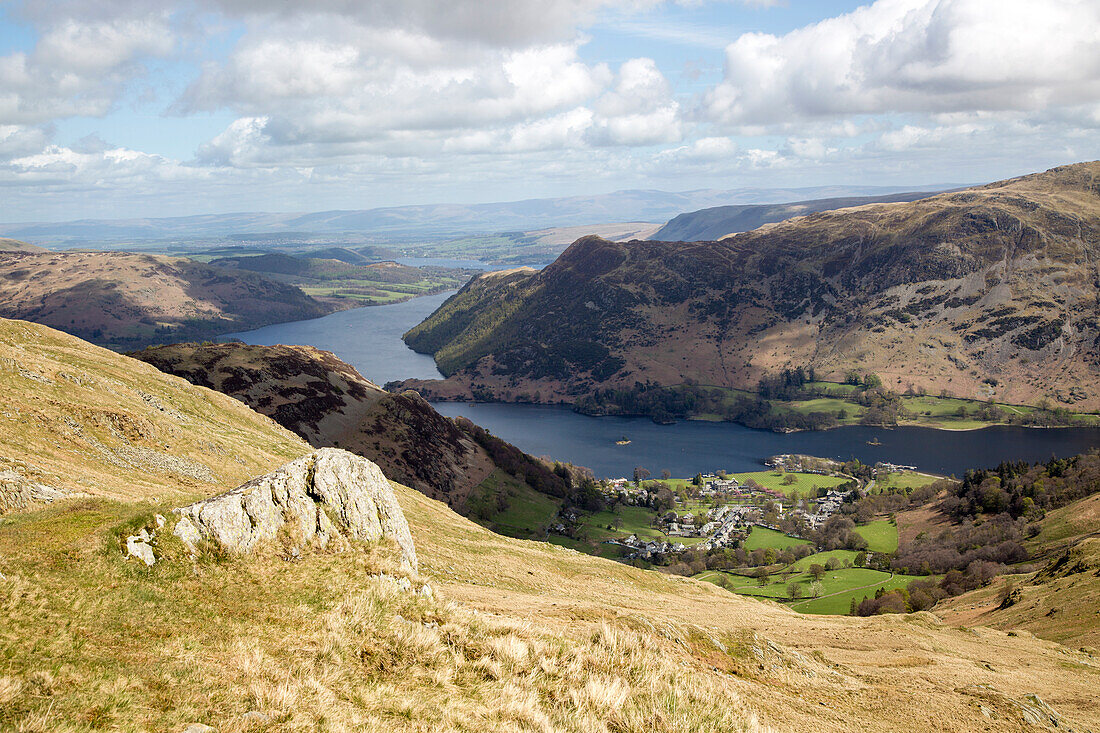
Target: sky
[(115, 109)]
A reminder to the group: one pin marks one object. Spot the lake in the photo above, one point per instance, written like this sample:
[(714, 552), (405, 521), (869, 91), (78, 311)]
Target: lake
[(367, 338), (370, 340)]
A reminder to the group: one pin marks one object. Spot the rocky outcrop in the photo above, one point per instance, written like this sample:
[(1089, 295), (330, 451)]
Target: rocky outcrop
[(323, 500), (18, 492)]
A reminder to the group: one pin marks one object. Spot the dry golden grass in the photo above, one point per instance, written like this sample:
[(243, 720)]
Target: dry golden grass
[(94, 642), (85, 419), (518, 636)]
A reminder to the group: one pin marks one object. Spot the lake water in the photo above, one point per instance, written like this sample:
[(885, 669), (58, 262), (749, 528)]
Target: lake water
[(367, 338), (370, 340), (691, 446), (444, 262)]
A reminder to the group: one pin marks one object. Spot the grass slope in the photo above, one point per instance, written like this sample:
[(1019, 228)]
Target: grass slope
[(881, 535), (520, 635), (764, 538)]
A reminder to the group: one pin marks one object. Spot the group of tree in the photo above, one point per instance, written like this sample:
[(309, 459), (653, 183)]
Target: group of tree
[(667, 404), (923, 594), (1025, 490), (789, 384)]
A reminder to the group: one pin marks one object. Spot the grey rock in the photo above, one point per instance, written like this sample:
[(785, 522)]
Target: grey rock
[(188, 533), (324, 499), (138, 546), (199, 728), (426, 592), (18, 492), (255, 716)]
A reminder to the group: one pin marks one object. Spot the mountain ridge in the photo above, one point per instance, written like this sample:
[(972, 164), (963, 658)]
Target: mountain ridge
[(722, 221), (434, 220), (129, 300), (993, 286)]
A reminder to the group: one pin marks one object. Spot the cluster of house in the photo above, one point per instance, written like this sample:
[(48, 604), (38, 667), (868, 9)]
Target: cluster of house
[(791, 463), (728, 523), (713, 485), (646, 549), (823, 508)]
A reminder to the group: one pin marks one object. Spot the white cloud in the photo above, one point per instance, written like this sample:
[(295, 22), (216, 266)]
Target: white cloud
[(78, 68), (915, 56)]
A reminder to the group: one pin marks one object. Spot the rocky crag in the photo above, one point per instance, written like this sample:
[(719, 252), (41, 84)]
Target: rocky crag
[(324, 500)]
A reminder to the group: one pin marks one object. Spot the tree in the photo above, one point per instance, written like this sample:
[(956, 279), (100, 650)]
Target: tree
[(817, 571), (666, 475), (816, 589), (861, 559), (853, 607), (789, 479), (761, 575), (832, 564), (640, 474), (698, 480), (794, 590)]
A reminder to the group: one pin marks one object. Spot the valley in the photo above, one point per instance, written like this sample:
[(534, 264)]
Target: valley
[(602, 366), (519, 628)]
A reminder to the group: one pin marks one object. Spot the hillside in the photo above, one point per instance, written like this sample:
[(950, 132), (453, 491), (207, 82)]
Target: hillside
[(129, 300), (513, 635), (84, 420), (14, 245), (1060, 602), (720, 221), (328, 403), (986, 292), (344, 284)]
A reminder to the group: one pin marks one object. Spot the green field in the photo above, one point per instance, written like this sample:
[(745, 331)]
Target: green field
[(838, 587), (764, 538), (928, 410), (820, 558), (881, 535), (803, 482), (371, 292), (840, 603), (527, 514)]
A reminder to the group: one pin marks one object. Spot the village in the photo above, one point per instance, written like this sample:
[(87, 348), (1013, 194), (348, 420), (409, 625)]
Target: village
[(715, 510)]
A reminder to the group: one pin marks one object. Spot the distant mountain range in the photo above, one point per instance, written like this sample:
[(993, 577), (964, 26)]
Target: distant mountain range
[(433, 221), (708, 225)]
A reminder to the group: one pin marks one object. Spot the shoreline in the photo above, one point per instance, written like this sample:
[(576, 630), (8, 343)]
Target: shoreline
[(906, 424)]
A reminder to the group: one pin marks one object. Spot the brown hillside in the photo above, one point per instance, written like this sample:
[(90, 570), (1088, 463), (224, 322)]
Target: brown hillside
[(129, 300), (15, 245), (517, 635), (327, 402), (1061, 602), (990, 291)]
